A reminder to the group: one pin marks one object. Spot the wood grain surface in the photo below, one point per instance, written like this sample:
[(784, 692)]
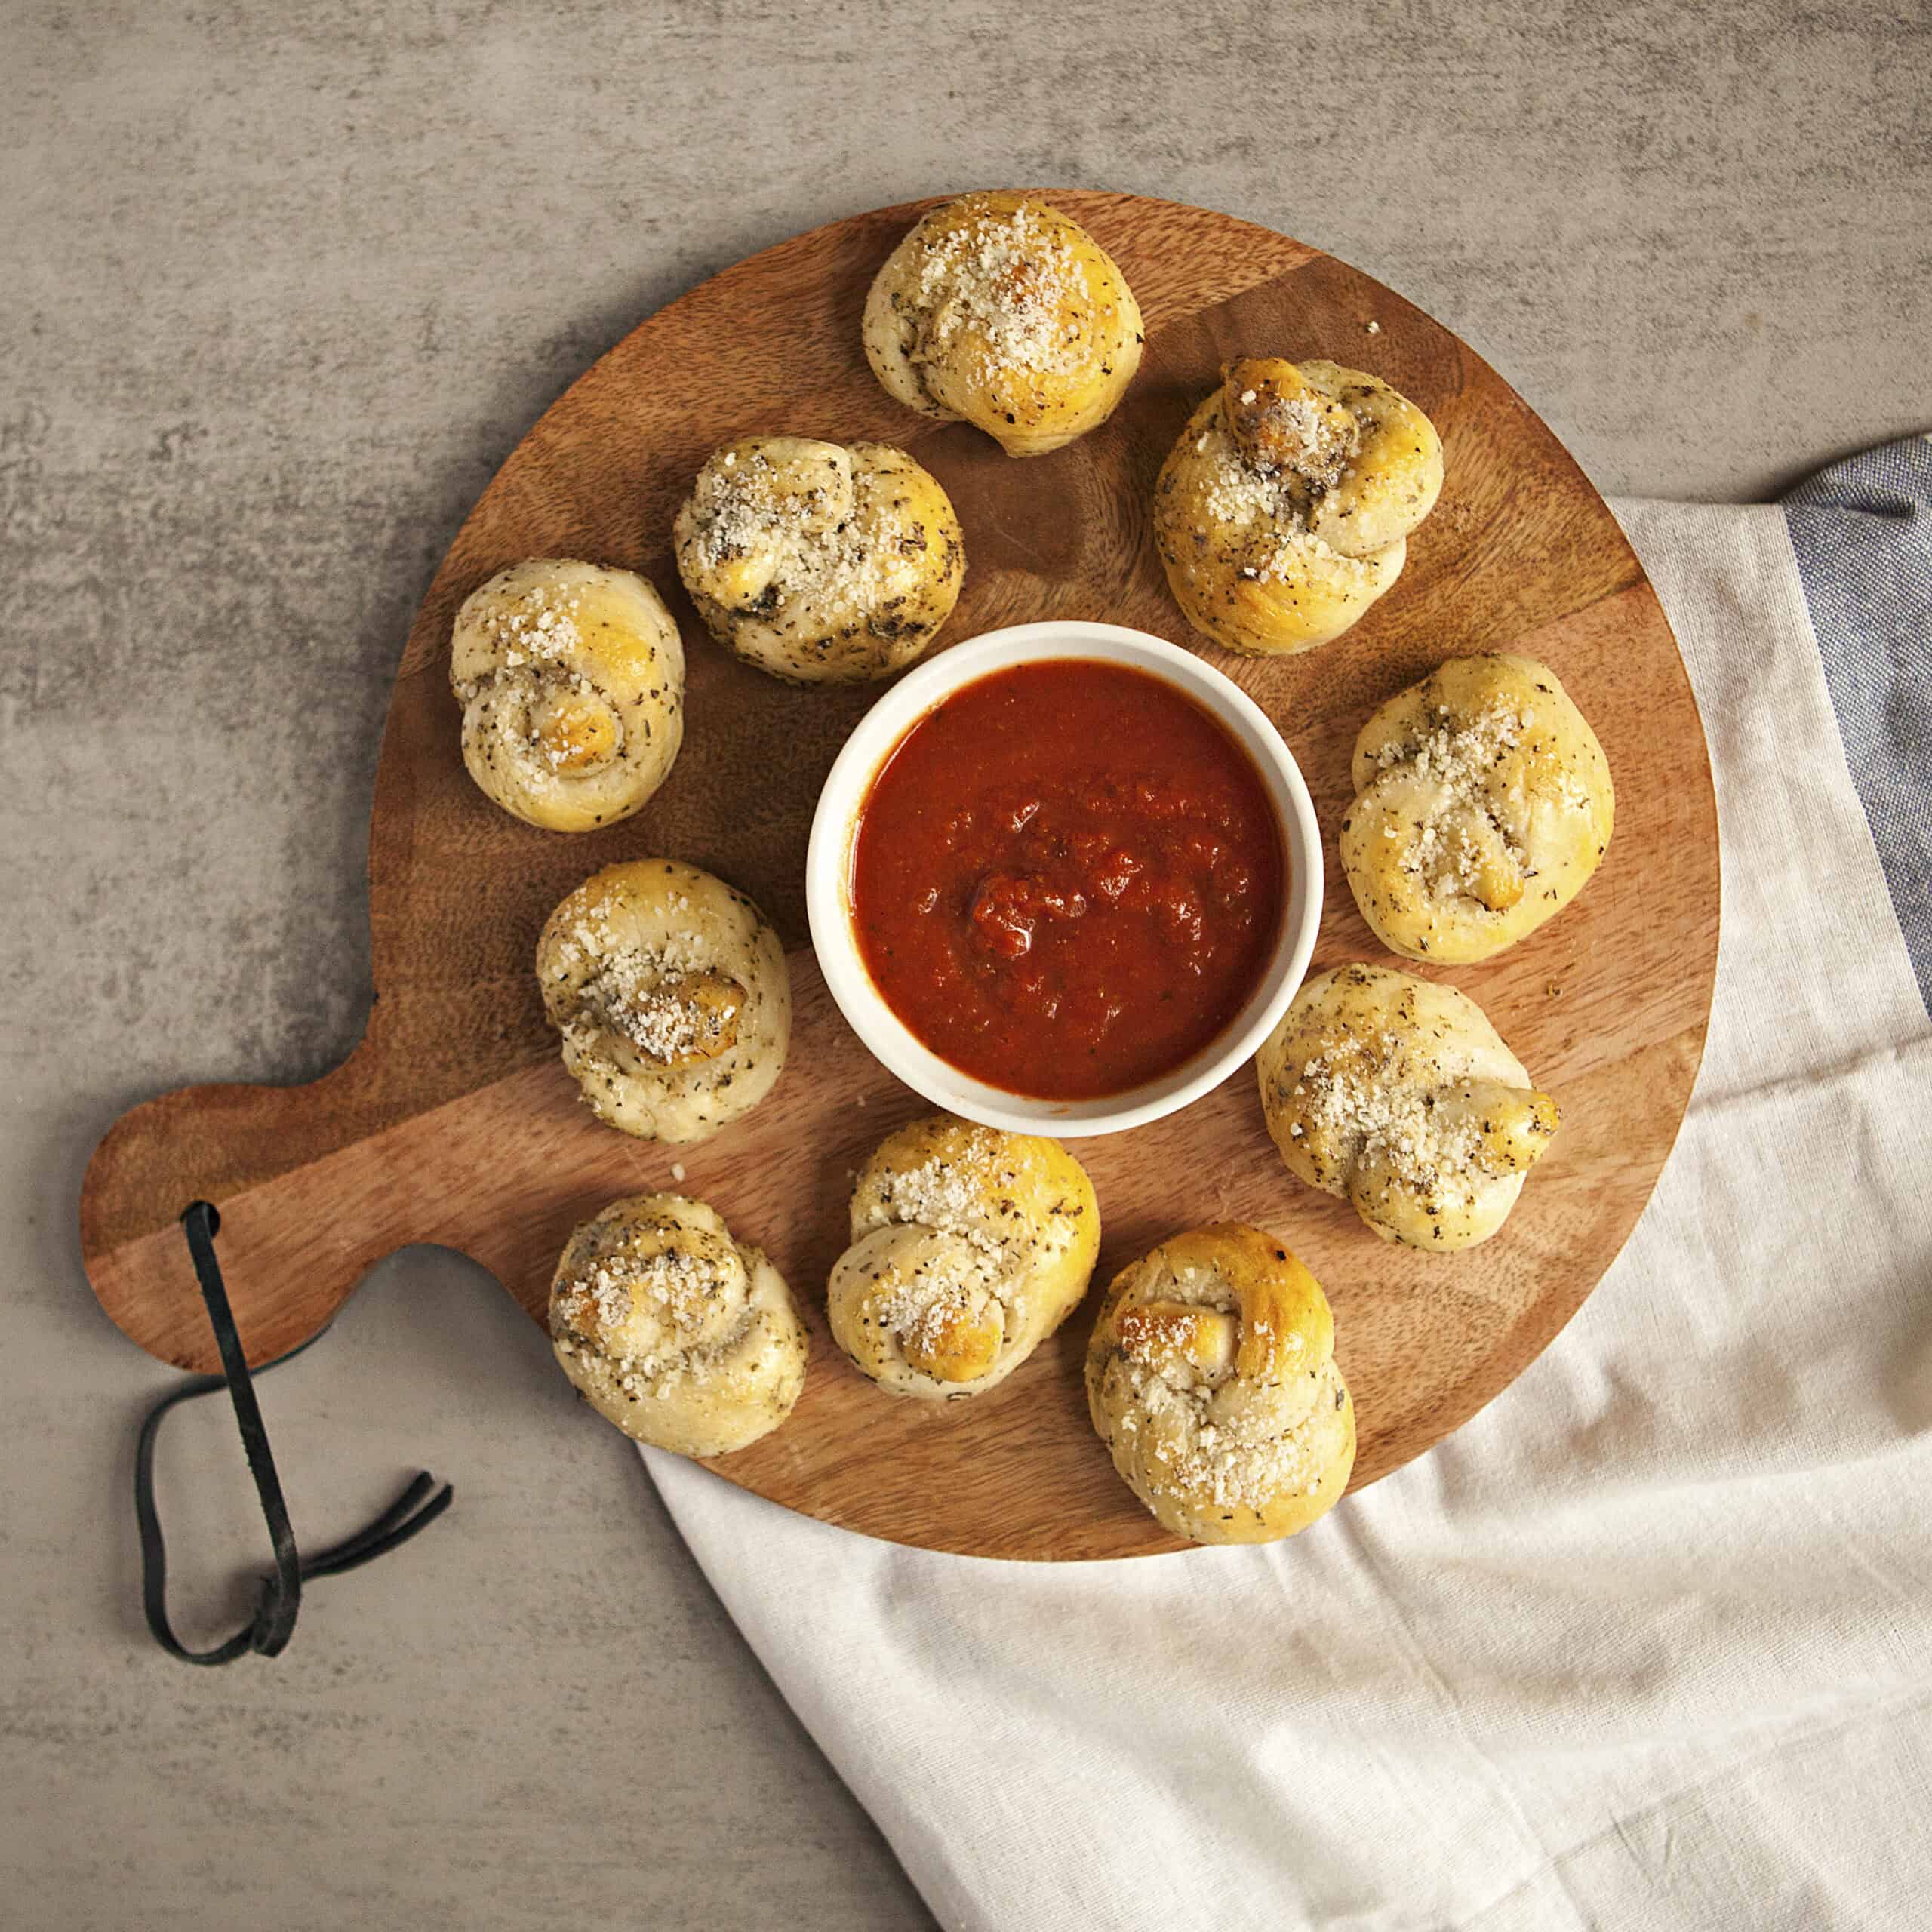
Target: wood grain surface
[(454, 1122)]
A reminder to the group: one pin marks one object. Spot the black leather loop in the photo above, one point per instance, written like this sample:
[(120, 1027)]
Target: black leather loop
[(274, 1622)]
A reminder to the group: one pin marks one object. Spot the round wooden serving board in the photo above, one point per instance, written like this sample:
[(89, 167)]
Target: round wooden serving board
[(454, 1122)]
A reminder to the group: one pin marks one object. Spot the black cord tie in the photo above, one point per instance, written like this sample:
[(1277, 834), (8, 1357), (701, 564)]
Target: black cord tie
[(281, 1596)]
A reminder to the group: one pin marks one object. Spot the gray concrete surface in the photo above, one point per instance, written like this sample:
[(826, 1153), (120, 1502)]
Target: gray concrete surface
[(279, 287)]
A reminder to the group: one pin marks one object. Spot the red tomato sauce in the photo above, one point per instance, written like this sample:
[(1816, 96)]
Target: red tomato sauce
[(1067, 879)]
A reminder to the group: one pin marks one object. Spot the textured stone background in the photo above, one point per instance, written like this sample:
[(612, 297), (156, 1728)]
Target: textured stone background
[(279, 287)]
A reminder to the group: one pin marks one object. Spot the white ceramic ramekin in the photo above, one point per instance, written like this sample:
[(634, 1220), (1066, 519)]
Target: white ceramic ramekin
[(828, 872)]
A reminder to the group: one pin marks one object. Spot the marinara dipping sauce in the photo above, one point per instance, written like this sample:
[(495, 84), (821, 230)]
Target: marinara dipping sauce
[(1067, 879)]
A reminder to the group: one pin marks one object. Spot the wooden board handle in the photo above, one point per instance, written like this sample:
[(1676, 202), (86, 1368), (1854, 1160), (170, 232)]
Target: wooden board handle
[(317, 1184), (295, 1243)]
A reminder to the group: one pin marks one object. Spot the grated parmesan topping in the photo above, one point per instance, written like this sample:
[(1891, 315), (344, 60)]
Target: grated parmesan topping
[(662, 1024), (1353, 1094), (1459, 761), (952, 1198), (681, 1297), (1016, 284), (1460, 754), (632, 989), (1237, 1465), (1463, 755), (927, 1307), (939, 1195), (1320, 438), (533, 627), (811, 539), (1239, 494), (534, 632), (676, 1286), (1272, 505), (1478, 797), (1445, 854)]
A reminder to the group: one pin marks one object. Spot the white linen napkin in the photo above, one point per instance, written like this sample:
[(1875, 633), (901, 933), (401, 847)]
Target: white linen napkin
[(1648, 1643)]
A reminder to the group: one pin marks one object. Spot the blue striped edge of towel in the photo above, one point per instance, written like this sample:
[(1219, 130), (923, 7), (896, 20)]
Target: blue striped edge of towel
[(1861, 529)]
